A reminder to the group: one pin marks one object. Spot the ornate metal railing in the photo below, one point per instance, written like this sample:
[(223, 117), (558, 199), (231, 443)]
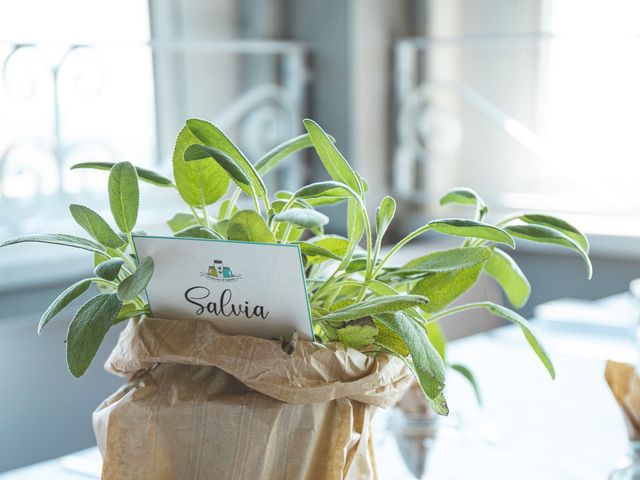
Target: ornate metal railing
[(428, 123), (65, 103)]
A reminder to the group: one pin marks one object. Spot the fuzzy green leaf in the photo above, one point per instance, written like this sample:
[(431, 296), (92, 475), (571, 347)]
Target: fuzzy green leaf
[(355, 229), (442, 288), (109, 269), (96, 226), (134, 284), (333, 161), (358, 334), (558, 224), (542, 234), (389, 339), (200, 182), (124, 195), (426, 361), (460, 196), (145, 175), (130, 310), (438, 339), (507, 273), (468, 374), (87, 330), (334, 243), (198, 231), (314, 250), (221, 228), (302, 217), (64, 299), (248, 226), (282, 151), (237, 174), (473, 229), (513, 317), (375, 306), (58, 239), (180, 221), (384, 215), (447, 260), (212, 136), (328, 189)]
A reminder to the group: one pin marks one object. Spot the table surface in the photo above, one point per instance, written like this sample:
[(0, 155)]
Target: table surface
[(529, 427)]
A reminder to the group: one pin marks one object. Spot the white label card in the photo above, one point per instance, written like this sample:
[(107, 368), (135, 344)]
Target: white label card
[(244, 288)]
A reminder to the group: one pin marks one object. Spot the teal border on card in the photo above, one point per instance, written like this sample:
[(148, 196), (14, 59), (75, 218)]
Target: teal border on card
[(214, 240)]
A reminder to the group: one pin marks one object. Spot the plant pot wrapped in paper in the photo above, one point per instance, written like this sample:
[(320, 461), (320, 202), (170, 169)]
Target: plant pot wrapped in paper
[(201, 405), (204, 405)]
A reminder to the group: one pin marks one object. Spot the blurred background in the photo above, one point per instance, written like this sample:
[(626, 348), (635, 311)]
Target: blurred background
[(532, 103)]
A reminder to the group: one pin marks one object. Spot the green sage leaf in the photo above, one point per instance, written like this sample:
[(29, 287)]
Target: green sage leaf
[(328, 189), (473, 229), (333, 161), (87, 330), (64, 299), (145, 175), (358, 334), (375, 306), (442, 288), (124, 195), (542, 234), (302, 217), (180, 221), (468, 374), (282, 151), (460, 196), (212, 136), (248, 226), (558, 224), (446, 260), (438, 339), (509, 276), (513, 317), (130, 310), (96, 226), (134, 284), (221, 227), (198, 231), (426, 361), (315, 250), (58, 239), (109, 269), (384, 215), (201, 182), (237, 174)]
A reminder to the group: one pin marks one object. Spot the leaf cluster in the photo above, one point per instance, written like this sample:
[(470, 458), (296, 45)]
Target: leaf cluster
[(357, 296)]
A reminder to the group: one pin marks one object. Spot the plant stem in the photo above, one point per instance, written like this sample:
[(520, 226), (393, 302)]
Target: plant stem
[(126, 258), (194, 212), (398, 246), (287, 232), (232, 203), (326, 284), (103, 281), (450, 311), (131, 244)]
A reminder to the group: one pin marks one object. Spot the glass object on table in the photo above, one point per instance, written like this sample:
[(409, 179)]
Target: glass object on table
[(631, 471), (415, 428)]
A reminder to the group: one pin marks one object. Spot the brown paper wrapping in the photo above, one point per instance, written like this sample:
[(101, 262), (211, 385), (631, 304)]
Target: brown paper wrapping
[(204, 405), (625, 385)]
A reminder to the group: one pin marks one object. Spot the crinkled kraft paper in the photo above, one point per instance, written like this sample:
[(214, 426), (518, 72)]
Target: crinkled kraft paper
[(203, 405), (625, 385)]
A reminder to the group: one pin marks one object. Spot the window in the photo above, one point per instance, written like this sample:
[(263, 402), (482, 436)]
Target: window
[(536, 108)]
